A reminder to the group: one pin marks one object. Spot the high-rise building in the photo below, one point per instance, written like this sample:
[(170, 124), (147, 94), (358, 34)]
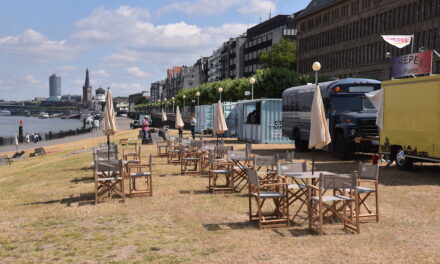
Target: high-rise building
[(55, 85), (87, 90)]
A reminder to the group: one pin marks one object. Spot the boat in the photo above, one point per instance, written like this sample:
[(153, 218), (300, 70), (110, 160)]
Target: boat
[(44, 115), (5, 112)]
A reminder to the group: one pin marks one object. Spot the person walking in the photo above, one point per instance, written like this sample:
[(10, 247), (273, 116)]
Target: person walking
[(27, 138), (145, 129), (193, 126)]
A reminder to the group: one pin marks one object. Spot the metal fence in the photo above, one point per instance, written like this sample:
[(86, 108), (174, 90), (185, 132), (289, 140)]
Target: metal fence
[(10, 140)]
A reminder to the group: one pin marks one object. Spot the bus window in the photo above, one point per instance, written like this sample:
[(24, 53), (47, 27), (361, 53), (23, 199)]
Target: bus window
[(305, 101)]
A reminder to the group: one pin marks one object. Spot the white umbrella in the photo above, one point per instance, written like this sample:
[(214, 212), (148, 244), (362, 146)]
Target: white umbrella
[(179, 120), (376, 98), (220, 126), (16, 143), (319, 133), (109, 121), (164, 116)]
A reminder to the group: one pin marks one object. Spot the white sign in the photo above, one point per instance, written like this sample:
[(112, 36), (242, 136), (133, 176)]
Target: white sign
[(399, 41), (276, 133), (247, 93)]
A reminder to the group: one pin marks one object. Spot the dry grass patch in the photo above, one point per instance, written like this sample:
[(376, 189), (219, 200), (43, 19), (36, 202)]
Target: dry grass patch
[(47, 216)]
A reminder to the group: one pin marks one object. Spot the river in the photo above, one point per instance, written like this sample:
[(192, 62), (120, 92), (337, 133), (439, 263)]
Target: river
[(9, 125)]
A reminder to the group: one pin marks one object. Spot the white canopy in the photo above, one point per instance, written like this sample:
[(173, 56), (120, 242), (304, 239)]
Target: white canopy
[(109, 127), (376, 98), (179, 120), (319, 133)]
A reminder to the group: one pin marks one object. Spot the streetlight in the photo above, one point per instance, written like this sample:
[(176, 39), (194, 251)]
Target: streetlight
[(184, 96), (220, 90), (252, 81), (158, 104), (316, 66), (198, 103), (173, 103)]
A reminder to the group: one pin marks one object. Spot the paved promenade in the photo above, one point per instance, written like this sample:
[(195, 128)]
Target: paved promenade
[(123, 124)]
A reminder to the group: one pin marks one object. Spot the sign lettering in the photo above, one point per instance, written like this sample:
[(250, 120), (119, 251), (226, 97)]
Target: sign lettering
[(412, 64)]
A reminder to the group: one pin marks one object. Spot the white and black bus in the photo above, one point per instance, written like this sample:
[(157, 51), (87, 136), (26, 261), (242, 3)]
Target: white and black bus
[(350, 114)]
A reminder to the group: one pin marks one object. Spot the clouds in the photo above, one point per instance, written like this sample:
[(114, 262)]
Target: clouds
[(258, 7), (22, 86), (135, 72), (32, 46), (209, 7), (100, 73)]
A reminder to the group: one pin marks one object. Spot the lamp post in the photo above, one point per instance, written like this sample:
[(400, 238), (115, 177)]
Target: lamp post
[(183, 112), (220, 90), (252, 81), (198, 103), (158, 104), (173, 103), (316, 66)]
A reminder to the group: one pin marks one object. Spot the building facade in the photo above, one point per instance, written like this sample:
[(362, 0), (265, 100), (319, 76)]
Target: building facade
[(263, 36), (173, 83), (55, 85), (87, 90), (345, 35), (156, 90), (214, 65)]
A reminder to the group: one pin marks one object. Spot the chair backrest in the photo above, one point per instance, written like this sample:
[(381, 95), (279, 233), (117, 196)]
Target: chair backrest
[(236, 154), (337, 181), (368, 171), (40, 151), (105, 154), (154, 137), (248, 149), (197, 144), (283, 168), (150, 161), (123, 141), (265, 161), (252, 177), (222, 151), (108, 165)]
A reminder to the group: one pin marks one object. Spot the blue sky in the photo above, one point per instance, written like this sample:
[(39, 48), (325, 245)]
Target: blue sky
[(125, 44)]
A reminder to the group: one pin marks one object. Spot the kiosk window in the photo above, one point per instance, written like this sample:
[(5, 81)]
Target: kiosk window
[(252, 113)]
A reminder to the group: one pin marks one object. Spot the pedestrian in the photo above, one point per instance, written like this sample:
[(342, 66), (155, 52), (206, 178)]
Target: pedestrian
[(27, 138), (193, 126), (39, 137), (145, 129), (181, 132), (34, 138)]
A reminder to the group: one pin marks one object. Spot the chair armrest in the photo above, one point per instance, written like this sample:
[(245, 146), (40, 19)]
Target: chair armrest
[(312, 187), (273, 185), (366, 180)]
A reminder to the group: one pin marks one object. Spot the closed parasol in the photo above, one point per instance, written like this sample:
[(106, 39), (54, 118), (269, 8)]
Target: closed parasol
[(179, 120)]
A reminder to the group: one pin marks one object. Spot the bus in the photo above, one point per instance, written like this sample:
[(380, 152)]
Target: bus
[(350, 115)]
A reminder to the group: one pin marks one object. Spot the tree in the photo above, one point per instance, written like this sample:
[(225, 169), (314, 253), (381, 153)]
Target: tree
[(282, 55)]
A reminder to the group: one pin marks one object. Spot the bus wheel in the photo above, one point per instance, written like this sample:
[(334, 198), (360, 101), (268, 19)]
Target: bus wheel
[(402, 162), (300, 145), (341, 147)]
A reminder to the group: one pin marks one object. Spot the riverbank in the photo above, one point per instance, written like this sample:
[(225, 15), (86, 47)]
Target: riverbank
[(122, 122), (48, 216)]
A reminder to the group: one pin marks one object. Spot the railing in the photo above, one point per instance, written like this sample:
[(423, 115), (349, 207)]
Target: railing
[(10, 140)]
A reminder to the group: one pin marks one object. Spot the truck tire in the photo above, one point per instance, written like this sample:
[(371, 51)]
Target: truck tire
[(300, 145), (402, 162), (341, 148)]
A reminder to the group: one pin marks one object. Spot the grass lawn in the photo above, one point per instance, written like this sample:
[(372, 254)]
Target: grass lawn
[(47, 216)]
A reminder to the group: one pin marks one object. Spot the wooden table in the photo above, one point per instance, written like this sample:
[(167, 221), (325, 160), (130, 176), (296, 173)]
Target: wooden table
[(302, 179)]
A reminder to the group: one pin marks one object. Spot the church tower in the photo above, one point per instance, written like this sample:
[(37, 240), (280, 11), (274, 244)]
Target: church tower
[(87, 89)]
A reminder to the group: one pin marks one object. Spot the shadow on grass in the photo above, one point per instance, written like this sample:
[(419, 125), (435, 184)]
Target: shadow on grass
[(83, 179), (230, 226), (82, 199), (194, 192)]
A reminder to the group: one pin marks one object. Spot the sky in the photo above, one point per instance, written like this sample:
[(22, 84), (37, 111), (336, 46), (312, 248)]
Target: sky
[(126, 44)]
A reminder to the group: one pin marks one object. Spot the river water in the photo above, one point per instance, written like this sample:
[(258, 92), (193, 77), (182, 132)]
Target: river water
[(9, 125)]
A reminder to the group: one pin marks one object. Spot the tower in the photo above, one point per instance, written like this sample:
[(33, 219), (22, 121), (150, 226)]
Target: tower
[(87, 89), (55, 85)]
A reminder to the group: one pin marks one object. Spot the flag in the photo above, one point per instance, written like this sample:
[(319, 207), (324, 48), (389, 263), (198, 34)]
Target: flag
[(399, 41)]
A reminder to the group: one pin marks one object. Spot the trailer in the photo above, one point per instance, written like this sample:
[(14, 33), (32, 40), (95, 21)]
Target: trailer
[(411, 120), (259, 121)]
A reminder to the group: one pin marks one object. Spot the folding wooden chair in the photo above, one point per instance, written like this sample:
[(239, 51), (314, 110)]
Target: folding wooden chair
[(217, 168), (5, 160), (334, 205), (368, 183), (174, 151), (265, 166), (275, 191), (192, 158), (162, 148), (131, 152), (109, 180), (123, 141), (286, 158), (143, 173), (295, 191)]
